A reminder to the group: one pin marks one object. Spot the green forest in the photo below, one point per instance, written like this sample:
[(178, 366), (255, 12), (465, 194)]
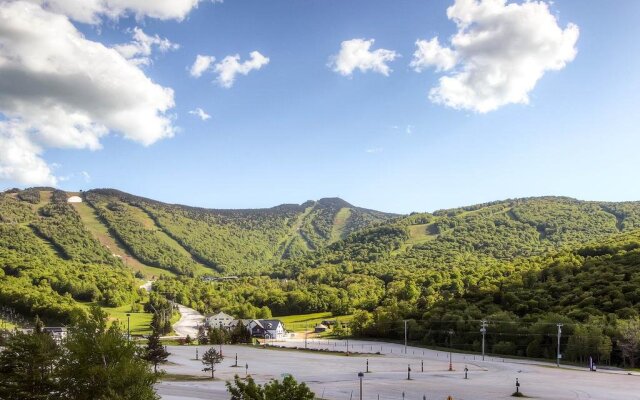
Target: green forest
[(523, 265)]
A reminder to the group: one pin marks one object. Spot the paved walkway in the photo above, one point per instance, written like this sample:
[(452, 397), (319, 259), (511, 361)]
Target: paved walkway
[(189, 321)]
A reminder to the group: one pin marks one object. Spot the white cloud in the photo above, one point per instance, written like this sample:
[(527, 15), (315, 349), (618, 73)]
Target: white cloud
[(374, 150), (86, 176), (92, 11), (58, 89), (20, 159), (200, 113), (200, 65), (498, 54), (430, 53), (356, 54), (138, 51), (230, 66)]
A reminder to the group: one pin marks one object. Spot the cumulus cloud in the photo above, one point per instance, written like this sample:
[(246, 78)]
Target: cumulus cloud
[(138, 50), (231, 66), (356, 54), (200, 113), (200, 65), (58, 89), (92, 11), (430, 53), (498, 54), (86, 176), (374, 150)]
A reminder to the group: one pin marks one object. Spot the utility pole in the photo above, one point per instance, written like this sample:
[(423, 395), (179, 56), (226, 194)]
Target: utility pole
[(450, 352), (405, 336), (483, 330), (559, 335)]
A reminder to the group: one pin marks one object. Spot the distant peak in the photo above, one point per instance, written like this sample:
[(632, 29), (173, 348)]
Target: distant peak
[(334, 202)]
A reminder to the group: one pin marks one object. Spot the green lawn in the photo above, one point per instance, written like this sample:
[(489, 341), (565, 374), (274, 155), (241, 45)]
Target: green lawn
[(140, 322), (303, 322), (6, 325)]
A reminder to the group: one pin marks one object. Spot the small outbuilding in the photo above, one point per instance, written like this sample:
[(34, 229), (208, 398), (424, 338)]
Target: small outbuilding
[(320, 328), (74, 199)]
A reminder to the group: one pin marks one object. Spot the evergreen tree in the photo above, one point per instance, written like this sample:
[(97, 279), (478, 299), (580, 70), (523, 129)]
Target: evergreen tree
[(27, 366), (155, 352), (240, 334), (203, 338), (210, 358)]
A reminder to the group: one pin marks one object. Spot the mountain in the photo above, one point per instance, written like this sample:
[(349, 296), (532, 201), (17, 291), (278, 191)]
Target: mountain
[(189, 240), (519, 261)]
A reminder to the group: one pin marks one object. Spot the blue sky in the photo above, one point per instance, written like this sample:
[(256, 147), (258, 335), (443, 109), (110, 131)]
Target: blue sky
[(295, 129)]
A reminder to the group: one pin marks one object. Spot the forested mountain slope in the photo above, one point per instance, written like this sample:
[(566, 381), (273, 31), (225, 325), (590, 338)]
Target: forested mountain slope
[(49, 261), (229, 241)]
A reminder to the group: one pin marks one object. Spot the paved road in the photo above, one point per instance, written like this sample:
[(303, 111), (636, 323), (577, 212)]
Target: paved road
[(335, 375), (189, 321)]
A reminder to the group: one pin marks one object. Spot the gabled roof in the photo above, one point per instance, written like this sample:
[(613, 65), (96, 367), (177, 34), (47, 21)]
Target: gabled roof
[(270, 324), (220, 315)]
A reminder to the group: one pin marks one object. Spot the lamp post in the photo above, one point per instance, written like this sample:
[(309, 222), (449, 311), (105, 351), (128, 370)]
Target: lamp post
[(128, 327), (559, 354), (360, 375), (450, 352), (483, 330), (405, 336)]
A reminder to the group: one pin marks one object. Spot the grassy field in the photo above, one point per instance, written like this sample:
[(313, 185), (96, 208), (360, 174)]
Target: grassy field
[(6, 325), (100, 232), (304, 322), (140, 322)]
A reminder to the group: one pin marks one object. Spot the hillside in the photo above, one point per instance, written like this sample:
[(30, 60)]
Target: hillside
[(186, 239), (521, 261), (50, 263)]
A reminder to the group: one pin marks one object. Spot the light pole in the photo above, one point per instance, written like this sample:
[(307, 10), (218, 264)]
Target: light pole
[(483, 330), (128, 327), (559, 354), (405, 336), (450, 353), (360, 375)]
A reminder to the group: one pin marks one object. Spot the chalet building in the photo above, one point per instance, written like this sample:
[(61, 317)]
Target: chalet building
[(58, 333), (219, 320), (267, 328)]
